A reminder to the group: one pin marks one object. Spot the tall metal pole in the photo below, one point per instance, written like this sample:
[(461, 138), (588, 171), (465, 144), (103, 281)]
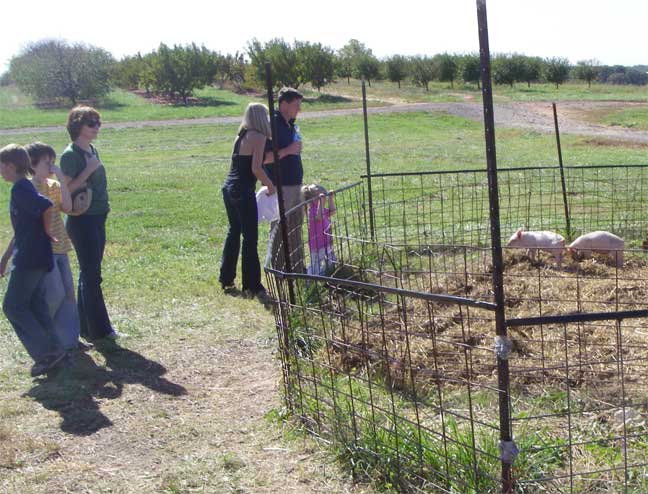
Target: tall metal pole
[(276, 171), (366, 135), (496, 244), (562, 174)]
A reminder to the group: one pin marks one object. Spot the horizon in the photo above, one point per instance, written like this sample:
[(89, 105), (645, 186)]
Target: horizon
[(611, 34)]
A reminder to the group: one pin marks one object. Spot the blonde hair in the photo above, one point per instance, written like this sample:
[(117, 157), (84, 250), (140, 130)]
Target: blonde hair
[(312, 190), (256, 118)]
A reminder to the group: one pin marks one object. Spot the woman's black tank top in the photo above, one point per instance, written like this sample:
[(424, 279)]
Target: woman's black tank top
[(241, 169)]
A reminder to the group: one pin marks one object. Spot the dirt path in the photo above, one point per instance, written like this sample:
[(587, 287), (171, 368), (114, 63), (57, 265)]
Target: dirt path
[(532, 115), (150, 419)]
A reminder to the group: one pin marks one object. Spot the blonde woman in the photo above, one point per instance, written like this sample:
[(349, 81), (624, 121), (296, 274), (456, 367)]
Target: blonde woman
[(240, 203)]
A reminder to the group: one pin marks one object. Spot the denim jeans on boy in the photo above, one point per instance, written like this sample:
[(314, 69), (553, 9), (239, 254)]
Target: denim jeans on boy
[(59, 296), (25, 307), (240, 204), (88, 235)]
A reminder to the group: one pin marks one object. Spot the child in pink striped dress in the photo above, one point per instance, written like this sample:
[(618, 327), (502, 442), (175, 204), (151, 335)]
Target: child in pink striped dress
[(320, 240)]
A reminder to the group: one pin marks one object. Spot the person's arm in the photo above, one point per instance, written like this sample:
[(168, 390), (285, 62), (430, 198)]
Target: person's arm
[(257, 141), (76, 174), (66, 198), (92, 165), (6, 257), (294, 147), (47, 223), (331, 204)]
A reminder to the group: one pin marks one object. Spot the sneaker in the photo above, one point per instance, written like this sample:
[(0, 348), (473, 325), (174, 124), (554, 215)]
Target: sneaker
[(40, 368), (84, 347)]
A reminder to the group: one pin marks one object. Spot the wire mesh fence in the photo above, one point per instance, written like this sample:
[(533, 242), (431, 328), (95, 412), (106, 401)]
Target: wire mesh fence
[(451, 207), (388, 346)]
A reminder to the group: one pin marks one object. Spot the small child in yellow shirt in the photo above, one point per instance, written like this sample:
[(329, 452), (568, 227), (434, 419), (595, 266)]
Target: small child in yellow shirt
[(57, 284)]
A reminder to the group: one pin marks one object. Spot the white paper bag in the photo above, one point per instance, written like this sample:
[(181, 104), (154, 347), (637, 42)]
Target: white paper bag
[(267, 206)]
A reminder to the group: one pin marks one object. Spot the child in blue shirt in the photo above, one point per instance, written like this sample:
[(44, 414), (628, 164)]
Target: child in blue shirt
[(24, 304)]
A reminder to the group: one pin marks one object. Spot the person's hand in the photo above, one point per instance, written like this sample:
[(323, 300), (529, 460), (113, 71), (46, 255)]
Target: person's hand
[(93, 163), (57, 172), (295, 147), (51, 236), (271, 190)]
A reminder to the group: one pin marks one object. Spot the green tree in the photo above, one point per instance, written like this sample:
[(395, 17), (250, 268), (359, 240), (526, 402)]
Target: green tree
[(283, 59), (556, 70), (5, 79), (344, 67), (349, 58), (529, 68), (587, 70), (368, 66), (54, 69), (447, 67), (316, 63), (507, 69), (470, 69), (423, 70), (232, 69), (127, 72), (148, 75), (178, 71), (397, 69)]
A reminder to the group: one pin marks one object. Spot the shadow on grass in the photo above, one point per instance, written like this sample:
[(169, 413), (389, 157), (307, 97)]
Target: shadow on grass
[(73, 392), (203, 101), (327, 98), (63, 104)]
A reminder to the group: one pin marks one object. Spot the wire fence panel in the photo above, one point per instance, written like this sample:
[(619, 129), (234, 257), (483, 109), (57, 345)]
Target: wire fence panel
[(387, 338)]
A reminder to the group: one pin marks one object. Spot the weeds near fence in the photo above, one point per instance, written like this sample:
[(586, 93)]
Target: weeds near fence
[(389, 355)]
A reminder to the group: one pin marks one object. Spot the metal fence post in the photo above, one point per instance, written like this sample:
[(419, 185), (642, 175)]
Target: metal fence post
[(506, 435), (276, 170), (562, 174), (366, 136)]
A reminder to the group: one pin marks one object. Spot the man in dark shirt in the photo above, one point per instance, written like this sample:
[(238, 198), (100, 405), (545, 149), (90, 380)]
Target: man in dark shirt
[(292, 174)]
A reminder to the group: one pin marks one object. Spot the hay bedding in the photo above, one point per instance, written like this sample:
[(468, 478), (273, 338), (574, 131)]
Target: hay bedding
[(444, 343)]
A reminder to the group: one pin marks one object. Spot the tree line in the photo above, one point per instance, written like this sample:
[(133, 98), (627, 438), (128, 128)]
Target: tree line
[(54, 69)]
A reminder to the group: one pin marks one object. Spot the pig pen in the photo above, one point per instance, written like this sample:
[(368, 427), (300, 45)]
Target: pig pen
[(391, 354)]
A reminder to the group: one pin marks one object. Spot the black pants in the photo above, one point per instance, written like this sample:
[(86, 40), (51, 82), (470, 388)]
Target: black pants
[(240, 204), (88, 234)]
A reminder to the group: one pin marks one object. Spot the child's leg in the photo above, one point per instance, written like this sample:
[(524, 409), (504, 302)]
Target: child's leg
[(313, 268), (330, 257), (21, 299), (52, 288), (66, 318), (318, 261)]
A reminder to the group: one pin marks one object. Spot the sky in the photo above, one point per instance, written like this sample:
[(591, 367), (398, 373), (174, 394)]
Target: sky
[(611, 31)]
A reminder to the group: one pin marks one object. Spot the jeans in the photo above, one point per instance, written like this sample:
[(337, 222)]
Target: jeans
[(25, 307), (321, 260), (59, 296), (88, 235), (240, 204)]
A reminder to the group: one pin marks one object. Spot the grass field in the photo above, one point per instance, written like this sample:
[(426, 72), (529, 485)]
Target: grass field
[(443, 92), (153, 417), (631, 118), (18, 110)]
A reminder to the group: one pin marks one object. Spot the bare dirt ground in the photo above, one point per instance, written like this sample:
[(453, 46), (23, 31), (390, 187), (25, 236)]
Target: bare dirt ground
[(197, 415)]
